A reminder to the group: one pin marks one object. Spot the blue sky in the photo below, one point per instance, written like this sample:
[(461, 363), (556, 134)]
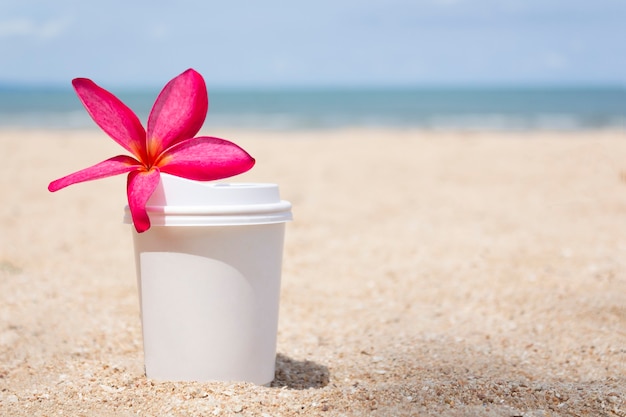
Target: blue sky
[(315, 43)]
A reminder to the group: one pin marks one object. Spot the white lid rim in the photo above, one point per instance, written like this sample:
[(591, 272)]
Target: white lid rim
[(192, 221), (218, 209), (202, 218), (202, 221)]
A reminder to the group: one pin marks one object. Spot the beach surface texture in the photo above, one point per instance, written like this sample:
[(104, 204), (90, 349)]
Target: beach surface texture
[(426, 273)]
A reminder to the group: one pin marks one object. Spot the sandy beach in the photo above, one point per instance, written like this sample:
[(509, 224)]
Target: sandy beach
[(426, 273)]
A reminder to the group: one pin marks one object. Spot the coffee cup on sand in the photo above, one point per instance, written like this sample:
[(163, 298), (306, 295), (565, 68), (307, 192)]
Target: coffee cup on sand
[(208, 275)]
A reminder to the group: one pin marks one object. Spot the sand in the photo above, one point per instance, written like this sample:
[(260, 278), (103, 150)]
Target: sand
[(426, 274)]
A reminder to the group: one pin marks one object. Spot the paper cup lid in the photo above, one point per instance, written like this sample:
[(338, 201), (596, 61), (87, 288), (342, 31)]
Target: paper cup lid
[(182, 202)]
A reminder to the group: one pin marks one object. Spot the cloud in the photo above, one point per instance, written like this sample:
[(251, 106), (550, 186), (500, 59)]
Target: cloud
[(16, 27), (22, 27)]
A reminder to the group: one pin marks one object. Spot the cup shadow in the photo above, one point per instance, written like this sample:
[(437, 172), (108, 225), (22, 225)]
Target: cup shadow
[(299, 375)]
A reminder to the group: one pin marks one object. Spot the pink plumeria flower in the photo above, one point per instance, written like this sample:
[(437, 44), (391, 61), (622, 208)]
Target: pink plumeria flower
[(168, 146)]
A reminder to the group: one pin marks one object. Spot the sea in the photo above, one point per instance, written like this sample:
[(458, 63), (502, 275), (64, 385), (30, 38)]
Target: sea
[(557, 108)]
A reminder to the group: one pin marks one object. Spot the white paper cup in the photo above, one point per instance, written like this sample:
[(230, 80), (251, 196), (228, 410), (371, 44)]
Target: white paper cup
[(208, 273)]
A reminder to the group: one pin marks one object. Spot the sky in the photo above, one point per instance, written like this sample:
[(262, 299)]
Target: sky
[(275, 43)]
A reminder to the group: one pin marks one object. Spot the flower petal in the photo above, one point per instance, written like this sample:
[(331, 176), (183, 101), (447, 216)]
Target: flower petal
[(140, 186), (113, 116), (205, 158), (178, 113), (117, 165)]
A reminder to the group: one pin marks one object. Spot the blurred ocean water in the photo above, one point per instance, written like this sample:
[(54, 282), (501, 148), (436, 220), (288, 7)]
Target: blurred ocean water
[(283, 109)]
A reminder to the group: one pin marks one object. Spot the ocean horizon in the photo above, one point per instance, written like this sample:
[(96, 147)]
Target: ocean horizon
[(493, 108)]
